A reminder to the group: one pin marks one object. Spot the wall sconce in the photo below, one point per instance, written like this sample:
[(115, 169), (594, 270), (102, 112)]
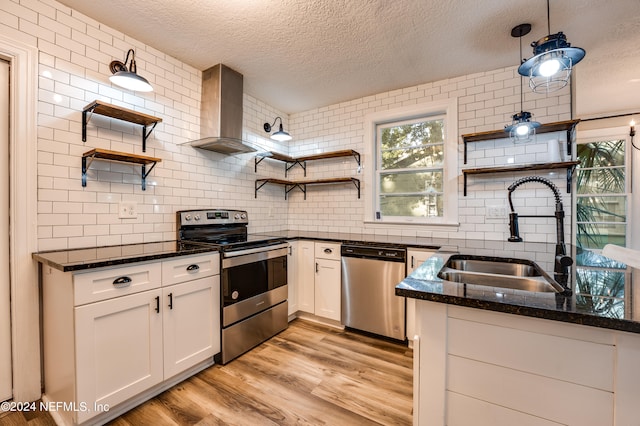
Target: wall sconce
[(522, 129), (280, 135), (127, 77), (632, 133), (550, 67)]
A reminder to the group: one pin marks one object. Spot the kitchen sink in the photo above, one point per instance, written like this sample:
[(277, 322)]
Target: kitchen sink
[(517, 274)]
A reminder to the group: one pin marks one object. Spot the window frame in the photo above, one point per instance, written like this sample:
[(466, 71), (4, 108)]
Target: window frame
[(446, 108)]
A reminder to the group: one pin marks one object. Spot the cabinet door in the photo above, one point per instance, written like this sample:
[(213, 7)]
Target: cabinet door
[(414, 259), (292, 277), (328, 289), (191, 323), (306, 276), (118, 349)]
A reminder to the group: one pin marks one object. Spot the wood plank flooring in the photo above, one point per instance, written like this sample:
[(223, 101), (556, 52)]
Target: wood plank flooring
[(309, 374)]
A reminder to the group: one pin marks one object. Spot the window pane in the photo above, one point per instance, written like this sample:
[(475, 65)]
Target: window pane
[(596, 236), (590, 258), (601, 154), (427, 156), (602, 209), (601, 181), (413, 135), (412, 205), (391, 183)]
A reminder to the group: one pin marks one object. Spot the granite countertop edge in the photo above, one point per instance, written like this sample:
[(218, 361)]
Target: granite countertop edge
[(529, 311)]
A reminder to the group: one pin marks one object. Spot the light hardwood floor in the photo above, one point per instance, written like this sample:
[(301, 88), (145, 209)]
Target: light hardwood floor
[(309, 374)]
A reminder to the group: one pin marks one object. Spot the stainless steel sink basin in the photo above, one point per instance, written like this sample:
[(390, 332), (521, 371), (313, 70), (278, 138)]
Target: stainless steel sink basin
[(517, 274)]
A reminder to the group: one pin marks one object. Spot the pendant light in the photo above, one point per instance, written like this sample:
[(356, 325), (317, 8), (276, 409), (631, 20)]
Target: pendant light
[(128, 77), (522, 129), (550, 67), (280, 135)]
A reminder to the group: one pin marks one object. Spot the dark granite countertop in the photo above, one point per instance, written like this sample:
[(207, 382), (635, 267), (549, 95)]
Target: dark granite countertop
[(424, 284), (98, 257)]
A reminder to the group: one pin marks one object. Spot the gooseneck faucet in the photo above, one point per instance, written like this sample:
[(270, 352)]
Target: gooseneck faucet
[(562, 260)]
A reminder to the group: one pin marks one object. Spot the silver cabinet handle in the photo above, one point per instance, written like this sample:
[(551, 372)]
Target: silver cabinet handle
[(122, 282), (192, 268)]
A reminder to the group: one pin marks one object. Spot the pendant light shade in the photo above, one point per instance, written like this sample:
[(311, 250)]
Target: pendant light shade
[(280, 135), (128, 77), (521, 129), (550, 67)]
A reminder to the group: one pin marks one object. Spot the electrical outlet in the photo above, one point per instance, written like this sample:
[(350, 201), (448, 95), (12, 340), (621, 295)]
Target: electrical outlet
[(496, 212), (127, 210)]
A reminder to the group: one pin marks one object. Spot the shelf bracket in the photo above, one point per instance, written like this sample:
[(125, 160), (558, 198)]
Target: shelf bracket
[(569, 178), (258, 162), (465, 153), (465, 184), (302, 188), (85, 166), (293, 164), (145, 174), (356, 182), (145, 135), (356, 155), (86, 116), (259, 184)]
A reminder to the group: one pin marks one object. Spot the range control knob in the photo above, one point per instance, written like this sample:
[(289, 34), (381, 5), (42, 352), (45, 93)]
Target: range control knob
[(237, 216), (197, 217), (243, 215), (187, 217)]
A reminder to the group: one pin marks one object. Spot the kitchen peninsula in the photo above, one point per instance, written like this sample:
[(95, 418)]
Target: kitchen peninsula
[(557, 359)]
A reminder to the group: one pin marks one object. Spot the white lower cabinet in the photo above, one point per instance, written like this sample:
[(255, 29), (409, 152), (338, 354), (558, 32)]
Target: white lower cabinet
[(486, 368), (319, 279), (126, 342), (118, 350), (327, 289), (190, 324)]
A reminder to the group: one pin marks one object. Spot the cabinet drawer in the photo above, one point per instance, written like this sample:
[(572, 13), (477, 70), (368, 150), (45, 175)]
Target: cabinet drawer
[(107, 283), (187, 268), (329, 251)]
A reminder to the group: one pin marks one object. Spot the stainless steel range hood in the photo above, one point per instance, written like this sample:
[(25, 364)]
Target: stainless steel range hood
[(221, 112)]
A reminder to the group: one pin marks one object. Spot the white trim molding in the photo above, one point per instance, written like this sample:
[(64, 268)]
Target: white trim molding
[(447, 107), (25, 312)]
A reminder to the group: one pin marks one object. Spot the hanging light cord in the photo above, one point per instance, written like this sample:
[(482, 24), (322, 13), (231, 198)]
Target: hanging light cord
[(548, 20), (521, 90)]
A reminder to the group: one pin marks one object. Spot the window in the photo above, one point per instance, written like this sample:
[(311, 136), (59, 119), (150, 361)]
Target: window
[(413, 177), (602, 195)]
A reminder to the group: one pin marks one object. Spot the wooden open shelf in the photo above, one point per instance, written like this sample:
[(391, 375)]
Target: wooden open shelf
[(103, 154), (290, 162), (569, 165), (558, 126), (113, 111), (289, 185)]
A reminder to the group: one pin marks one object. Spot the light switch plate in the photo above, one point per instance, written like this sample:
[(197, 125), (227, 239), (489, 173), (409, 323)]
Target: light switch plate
[(127, 210)]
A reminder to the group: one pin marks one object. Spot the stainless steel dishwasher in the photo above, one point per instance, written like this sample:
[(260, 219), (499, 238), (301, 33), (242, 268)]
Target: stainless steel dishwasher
[(369, 276)]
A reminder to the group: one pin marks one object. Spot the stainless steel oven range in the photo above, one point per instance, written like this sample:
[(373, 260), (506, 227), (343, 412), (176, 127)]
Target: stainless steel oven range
[(253, 276)]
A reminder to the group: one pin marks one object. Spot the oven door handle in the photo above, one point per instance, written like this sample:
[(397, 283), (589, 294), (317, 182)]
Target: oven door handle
[(254, 257), (255, 250)]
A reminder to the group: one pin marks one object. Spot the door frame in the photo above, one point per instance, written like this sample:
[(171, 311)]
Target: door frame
[(23, 200)]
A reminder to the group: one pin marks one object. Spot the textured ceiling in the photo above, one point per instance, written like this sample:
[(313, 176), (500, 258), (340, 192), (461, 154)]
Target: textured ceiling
[(300, 54)]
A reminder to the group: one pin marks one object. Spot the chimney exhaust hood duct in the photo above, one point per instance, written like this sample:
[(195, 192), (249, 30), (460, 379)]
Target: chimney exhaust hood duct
[(221, 112)]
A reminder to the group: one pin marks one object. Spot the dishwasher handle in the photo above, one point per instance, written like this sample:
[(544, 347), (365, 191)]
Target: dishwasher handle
[(388, 254)]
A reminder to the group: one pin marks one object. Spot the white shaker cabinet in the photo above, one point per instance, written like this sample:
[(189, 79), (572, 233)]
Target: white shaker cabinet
[(306, 276), (118, 350), (117, 335), (319, 279)]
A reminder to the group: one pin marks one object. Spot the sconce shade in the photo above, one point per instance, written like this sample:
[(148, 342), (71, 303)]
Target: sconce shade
[(280, 135), (128, 77), (553, 59), (522, 129)]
